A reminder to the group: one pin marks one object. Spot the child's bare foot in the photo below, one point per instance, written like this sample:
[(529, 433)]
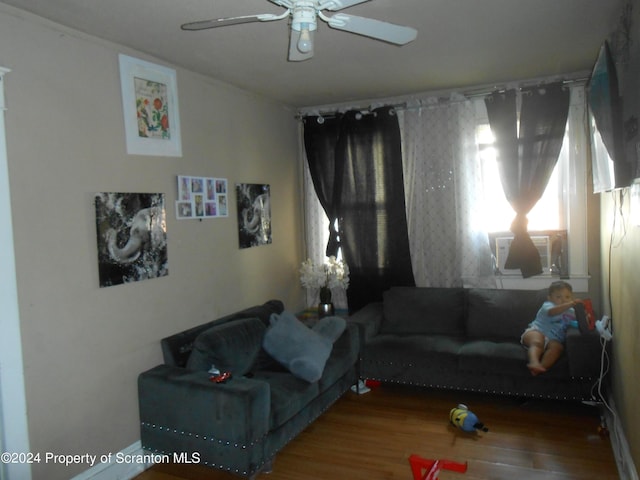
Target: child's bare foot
[(536, 369)]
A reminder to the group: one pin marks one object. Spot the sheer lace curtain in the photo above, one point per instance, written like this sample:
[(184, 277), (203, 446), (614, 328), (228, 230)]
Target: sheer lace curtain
[(443, 190), (443, 195)]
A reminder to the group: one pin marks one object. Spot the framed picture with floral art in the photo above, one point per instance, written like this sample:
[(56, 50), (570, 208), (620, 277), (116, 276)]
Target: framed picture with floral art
[(150, 108)]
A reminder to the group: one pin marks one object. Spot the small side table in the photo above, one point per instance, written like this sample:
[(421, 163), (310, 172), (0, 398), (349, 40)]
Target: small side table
[(309, 315)]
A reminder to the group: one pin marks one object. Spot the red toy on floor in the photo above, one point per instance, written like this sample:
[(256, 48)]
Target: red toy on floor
[(433, 467)]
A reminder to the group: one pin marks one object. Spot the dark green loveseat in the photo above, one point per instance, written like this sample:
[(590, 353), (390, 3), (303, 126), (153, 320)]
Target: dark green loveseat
[(237, 426)]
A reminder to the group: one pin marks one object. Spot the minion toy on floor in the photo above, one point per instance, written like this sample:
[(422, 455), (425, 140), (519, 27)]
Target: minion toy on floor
[(465, 420)]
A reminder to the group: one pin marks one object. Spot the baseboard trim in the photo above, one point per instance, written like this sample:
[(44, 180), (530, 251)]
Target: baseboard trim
[(624, 461), (116, 468)]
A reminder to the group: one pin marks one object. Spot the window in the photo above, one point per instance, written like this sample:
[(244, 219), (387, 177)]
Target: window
[(548, 213), (562, 208), (547, 226)]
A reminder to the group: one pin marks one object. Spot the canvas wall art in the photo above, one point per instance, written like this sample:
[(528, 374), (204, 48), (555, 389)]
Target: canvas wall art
[(132, 237), (254, 214)]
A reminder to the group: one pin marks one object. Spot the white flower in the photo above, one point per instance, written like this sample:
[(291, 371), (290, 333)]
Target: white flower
[(311, 276), (331, 274)]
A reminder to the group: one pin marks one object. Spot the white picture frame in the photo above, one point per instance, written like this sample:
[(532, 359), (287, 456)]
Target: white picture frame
[(150, 108), (202, 197)]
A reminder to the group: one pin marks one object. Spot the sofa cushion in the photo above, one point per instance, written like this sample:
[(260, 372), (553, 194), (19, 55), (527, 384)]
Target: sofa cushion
[(289, 396), (494, 314), (303, 351), (177, 348), (423, 310), (398, 353), (503, 358), (330, 327), (344, 356), (231, 347), (263, 312)]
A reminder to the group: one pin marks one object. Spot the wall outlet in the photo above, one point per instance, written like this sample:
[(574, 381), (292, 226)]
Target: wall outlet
[(604, 328)]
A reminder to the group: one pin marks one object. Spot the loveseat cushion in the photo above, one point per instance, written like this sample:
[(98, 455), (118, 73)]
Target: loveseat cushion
[(344, 356), (177, 348), (423, 310), (231, 347), (303, 351), (289, 395), (495, 314)]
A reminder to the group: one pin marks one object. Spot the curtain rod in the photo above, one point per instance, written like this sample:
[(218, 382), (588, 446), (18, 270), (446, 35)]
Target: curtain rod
[(333, 112), (435, 98), (484, 92)]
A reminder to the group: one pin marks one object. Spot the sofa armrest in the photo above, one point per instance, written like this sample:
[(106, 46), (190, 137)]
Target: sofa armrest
[(173, 398), (584, 351), (368, 319)]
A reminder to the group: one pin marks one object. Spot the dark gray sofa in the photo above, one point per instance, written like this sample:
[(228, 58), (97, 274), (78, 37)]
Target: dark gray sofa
[(469, 339), (237, 426)]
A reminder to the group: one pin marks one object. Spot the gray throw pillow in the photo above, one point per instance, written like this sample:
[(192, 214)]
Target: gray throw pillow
[(301, 350), (330, 327)]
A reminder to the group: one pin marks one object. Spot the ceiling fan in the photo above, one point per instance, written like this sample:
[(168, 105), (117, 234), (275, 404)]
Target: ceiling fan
[(304, 22)]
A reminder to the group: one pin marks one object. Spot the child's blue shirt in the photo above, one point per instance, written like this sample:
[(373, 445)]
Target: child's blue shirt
[(554, 327)]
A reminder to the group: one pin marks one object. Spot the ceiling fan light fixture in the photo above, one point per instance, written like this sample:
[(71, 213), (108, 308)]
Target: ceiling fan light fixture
[(304, 21), (305, 42), (303, 15)]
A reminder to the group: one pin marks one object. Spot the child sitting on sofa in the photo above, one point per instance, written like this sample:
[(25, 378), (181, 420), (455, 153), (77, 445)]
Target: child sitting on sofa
[(545, 336)]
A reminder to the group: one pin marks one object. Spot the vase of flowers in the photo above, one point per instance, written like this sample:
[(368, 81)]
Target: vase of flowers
[(333, 273)]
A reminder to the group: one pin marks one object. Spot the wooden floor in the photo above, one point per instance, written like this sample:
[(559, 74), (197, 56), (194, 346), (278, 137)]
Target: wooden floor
[(371, 436)]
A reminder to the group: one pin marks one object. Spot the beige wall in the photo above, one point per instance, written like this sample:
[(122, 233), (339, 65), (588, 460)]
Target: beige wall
[(621, 243), (83, 345)]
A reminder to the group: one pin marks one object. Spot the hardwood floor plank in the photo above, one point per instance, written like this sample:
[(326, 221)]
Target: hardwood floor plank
[(371, 436)]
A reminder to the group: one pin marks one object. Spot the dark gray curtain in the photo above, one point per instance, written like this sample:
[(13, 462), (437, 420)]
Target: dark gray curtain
[(356, 166), (526, 158), (326, 169)]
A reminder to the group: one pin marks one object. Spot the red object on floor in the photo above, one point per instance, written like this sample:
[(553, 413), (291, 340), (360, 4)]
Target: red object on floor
[(433, 467), (372, 383)]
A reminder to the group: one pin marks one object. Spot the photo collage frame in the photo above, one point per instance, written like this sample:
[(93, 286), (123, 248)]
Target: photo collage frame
[(202, 197)]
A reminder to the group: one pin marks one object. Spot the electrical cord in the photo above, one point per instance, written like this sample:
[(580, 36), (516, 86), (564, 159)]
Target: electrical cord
[(604, 369)]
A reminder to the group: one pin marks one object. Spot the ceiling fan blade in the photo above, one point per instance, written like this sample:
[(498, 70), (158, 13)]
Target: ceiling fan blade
[(334, 5), (387, 32), (223, 22), (296, 55), (283, 3)]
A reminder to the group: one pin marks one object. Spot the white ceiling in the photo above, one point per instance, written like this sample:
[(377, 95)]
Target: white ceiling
[(461, 43)]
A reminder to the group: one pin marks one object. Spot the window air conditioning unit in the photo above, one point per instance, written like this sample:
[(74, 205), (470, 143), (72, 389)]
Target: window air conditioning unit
[(542, 243)]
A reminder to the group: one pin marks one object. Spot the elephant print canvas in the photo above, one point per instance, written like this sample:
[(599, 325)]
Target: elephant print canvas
[(132, 237), (254, 214)]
